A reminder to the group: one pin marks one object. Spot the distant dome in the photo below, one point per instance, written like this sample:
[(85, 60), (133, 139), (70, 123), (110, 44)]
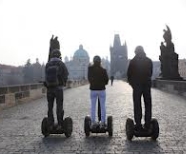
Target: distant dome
[(81, 53)]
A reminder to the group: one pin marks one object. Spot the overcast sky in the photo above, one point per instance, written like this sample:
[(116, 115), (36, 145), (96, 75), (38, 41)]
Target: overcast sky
[(27, 25)]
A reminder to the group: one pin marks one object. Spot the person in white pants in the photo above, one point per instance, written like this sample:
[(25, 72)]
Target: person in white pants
[(98, 79)]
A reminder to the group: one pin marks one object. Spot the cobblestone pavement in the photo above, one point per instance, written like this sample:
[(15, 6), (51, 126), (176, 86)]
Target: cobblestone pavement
[(20, 126)]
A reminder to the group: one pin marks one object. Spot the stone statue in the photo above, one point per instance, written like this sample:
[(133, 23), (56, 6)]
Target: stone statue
[(168, 58), (54, 44)]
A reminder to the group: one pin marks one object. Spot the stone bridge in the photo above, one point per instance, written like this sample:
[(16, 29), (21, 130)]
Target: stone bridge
[(20, 125)]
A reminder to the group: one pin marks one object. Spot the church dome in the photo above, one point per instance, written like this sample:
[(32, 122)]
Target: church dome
[(81, 53)]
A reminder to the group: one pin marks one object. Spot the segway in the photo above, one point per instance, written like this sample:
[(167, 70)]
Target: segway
[(152, 132), (66, 127), (96, 128)]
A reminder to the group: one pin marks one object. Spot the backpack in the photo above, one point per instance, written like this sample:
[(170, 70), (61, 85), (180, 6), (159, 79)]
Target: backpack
[(52, 75)]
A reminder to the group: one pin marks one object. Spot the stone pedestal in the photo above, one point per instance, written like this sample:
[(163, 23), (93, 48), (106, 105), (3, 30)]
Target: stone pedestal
[(168, 58), (169, 67)]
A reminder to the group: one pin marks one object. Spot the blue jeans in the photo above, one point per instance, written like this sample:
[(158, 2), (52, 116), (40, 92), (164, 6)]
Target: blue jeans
[(94, 94)]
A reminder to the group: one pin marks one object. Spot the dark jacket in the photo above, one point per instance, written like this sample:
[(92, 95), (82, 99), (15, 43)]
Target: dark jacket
[(139, 70), (97, 77), (63, 72)]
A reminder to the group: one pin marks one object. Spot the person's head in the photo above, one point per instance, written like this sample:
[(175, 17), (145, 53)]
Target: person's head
[(139, 51), (56, 53), (97, 60)]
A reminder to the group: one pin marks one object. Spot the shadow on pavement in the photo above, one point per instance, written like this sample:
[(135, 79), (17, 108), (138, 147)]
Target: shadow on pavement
[(54, 139), (142, 144)]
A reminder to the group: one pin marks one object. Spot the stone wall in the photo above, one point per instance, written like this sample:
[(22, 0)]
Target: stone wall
[(175, 87), (13, 95)]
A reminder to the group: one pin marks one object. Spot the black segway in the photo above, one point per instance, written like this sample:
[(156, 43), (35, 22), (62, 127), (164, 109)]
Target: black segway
[(66, 127), (97, 129), (152, 132)]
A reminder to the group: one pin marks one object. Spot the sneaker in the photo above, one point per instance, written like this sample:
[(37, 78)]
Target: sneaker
[(148, 128), (93, 125), (51, 128), (59, 127), (138, 128), (102, 125)]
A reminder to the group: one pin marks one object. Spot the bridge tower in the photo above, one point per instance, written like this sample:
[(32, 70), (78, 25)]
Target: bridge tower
[(119, 58)]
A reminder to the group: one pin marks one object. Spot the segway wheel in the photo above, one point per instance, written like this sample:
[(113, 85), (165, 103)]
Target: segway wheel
[(110, 125), (155, 129), (87, 124), (129, 129), (45, 127), (68, 126)]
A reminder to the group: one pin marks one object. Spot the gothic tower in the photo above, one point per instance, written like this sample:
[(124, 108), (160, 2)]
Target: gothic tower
[(119, 58)]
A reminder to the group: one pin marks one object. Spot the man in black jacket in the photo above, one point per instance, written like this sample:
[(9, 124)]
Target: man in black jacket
[(139, 77), (56, 75), (98, 78)]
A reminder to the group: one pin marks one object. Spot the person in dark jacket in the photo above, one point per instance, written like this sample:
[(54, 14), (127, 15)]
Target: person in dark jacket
[(139, 77), (98, 78), (56, 75), (112, 80)]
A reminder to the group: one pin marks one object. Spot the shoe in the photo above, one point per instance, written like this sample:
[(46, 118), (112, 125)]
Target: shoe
[(138, 128), (51, 128), (59, 127), (93, 125), (148, 128), (102, 125)]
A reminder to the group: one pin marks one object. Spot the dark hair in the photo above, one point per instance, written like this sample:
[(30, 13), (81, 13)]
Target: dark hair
[(97, 60), (139, 51)]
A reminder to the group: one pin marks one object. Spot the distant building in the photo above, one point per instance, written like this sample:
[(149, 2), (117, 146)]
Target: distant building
[(66, 59), (106, 64), (38, 71), (156, 69), (10, 75), (119, 58), (182, 68), (78, 65)]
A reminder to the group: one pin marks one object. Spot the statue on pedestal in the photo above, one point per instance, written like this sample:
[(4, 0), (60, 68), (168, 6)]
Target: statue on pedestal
[(168, 58), (54, 44)]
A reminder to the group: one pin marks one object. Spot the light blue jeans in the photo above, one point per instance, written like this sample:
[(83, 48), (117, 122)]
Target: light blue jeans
[(94, 94)]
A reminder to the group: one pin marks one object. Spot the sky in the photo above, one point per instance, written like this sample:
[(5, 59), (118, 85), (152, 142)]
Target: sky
[(27, 25)]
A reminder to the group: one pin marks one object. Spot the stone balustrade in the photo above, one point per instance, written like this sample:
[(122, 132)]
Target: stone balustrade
[(175, 87), (12, 95)]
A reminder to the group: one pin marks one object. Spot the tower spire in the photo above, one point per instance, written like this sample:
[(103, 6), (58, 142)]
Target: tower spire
[(117, 41)]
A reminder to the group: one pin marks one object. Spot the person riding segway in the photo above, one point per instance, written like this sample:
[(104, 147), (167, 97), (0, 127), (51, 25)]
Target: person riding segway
[(56, 75), (98, 78), (139, 77)]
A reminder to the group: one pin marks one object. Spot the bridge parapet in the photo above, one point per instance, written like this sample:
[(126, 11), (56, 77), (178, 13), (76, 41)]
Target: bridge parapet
[(175, 87), (12, 95)]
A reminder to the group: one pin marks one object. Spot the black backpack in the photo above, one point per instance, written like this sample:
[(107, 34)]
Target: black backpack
[(52, 74)]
